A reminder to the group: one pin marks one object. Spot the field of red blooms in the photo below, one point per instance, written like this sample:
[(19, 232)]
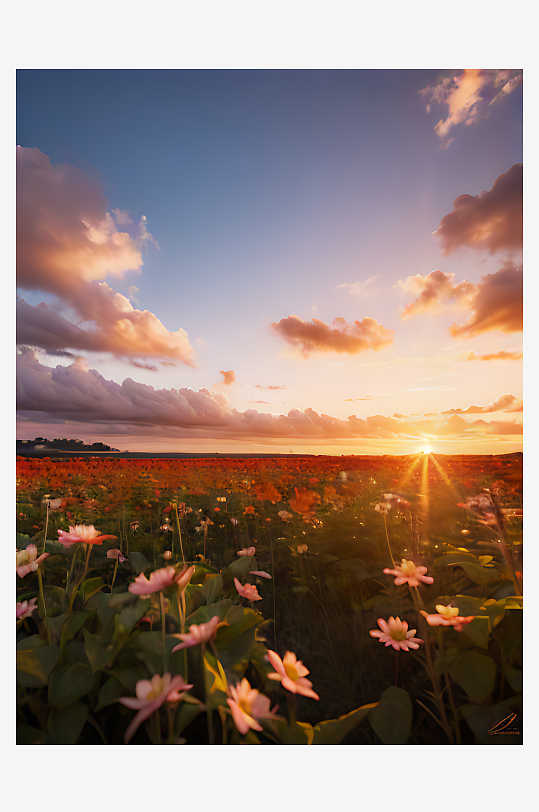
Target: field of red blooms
[(244, 601)]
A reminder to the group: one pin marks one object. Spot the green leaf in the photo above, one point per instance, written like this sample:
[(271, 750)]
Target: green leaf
[(90, 587), (185, 714), (391, 719), (478, 631), (475, 673), (37, 663), (65, 726), (131, 614), (211, 587), (102, 649), (70, 684), (482, 719), (110, 692), (241, 567), (333, 731), (297, 733), (73, 625), (139, 562), (513, 677), (120, 598), (204, 613), (55, 600), (509, 635)]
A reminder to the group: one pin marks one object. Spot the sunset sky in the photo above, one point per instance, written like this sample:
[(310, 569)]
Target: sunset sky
[(314, 261)]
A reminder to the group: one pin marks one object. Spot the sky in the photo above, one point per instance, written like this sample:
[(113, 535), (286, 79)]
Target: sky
[(316, 261)]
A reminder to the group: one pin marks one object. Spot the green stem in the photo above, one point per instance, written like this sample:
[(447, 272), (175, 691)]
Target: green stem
[(158, 725), (44, 605), (274, 597), (387, 537), (46, 528), (396, 667), (429, 665), (208, 710), (180, 532), (453, 709), (292, 709), (114, 577), (72, 599), (163, 632)]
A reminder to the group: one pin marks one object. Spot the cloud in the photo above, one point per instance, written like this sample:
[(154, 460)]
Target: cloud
[(502, 355), (359, 288), (317, 337), (257, 386), (496, 305), (503, 403), (131, 293), (140, 365), (66, 243), (228, 377), (167, 364), (78, 394), (468, 97), (115, 327), (491, 221), (435, 293)]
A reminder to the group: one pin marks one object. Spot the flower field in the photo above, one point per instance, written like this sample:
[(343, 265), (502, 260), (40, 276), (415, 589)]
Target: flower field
[(321, 600)]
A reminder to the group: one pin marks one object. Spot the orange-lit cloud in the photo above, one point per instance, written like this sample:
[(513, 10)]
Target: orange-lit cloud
[(76, 393), (66, 243), (257, 386), (341, 336), (468, 97), (502, 355), (496, 305), (141, 365), (491, 221), (435, 293), (502, 404), (359, 288), (228, 377)]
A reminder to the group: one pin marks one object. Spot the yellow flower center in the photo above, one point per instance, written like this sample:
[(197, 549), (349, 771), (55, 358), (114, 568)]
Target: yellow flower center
[(156, 691), (291, 671), (398, 634), (447, 611), (407, 567)]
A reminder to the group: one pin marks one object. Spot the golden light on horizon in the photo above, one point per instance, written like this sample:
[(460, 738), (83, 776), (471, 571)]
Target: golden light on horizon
[(427, 449)]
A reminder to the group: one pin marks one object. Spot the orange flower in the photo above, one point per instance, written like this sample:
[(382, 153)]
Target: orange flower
[(291, 673), (447, 616)]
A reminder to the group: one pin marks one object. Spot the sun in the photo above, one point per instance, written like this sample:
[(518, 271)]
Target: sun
[(427, 449)]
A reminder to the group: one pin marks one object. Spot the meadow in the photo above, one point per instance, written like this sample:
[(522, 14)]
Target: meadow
[(321, 600)]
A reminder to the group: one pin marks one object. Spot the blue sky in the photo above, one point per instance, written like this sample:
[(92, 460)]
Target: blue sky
[(266, 191)]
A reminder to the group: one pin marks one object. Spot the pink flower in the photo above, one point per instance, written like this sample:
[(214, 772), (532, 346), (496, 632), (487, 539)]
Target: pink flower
[(447, 616), (408, 572), (260, 573), (202, 633), (234, 521), (247, 551), (81, 533), (161, 579), (115, 553), (27, 560), (150, 696), (248, 705), (247, 591), (395, 633), (26, 608), (285, 515), (291, 674)]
